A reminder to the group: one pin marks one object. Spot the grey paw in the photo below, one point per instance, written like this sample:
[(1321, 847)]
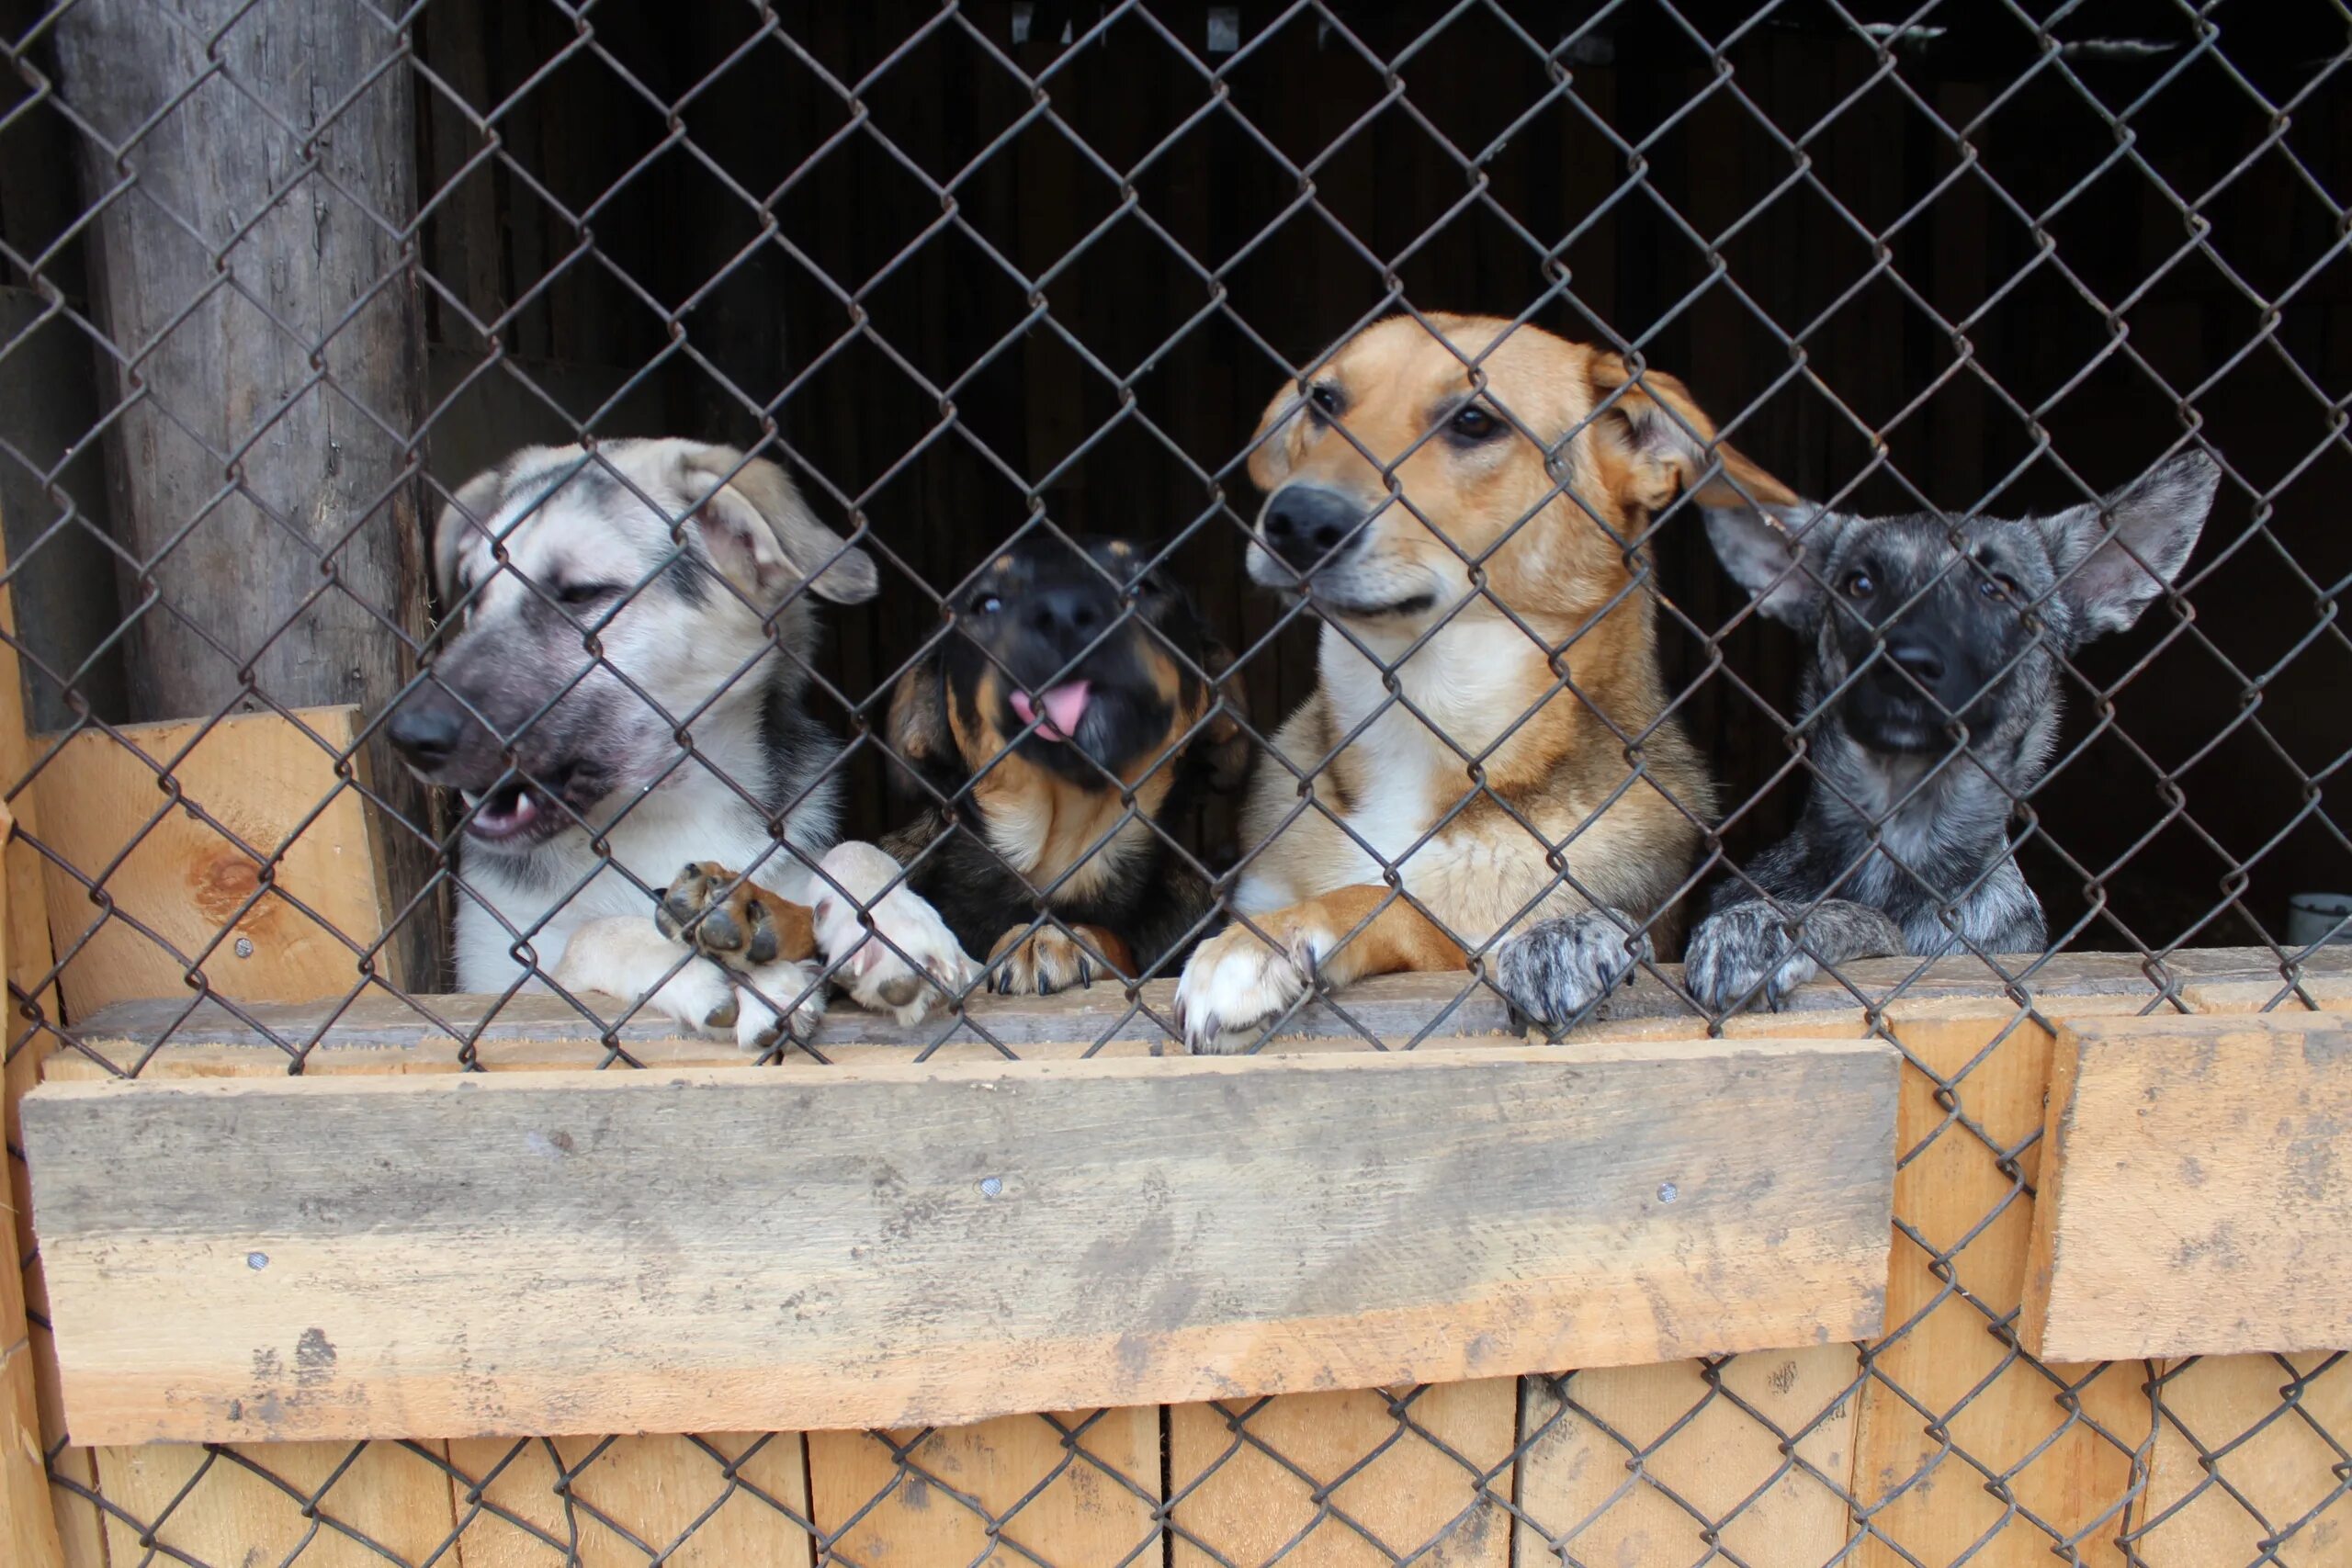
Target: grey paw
[(1556, 970), (1742, 953)]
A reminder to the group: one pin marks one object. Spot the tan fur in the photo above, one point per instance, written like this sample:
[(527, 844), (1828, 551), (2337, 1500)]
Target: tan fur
[(1539, 716)]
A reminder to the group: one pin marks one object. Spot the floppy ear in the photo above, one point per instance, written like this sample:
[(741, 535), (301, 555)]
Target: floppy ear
[(1270, 458), (917, 730), (763, 538), (1224, 742), (465, 520), (1778, 553), (2114, 558), (1672, 442)]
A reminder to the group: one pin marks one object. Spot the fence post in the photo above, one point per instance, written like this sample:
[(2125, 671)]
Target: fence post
[(252, 270), (28, 1523)]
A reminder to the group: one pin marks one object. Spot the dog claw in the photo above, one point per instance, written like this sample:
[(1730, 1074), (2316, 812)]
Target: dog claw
[(723, 1016)]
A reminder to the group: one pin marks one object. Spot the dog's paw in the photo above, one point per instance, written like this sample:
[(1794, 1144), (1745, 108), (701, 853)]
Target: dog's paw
[(1743, 951), (1556, 970), (726, 917), (765, 995), (1235, 985), (622, 957), (874, 971), (1037, 963)]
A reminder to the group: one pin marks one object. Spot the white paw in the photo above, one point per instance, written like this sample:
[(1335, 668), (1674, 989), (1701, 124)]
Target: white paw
[(874, 967), (1235, 985), (762, 993)]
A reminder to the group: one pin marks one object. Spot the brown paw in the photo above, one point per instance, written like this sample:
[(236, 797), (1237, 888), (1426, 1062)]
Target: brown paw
[(1024, 964), (726, 917)]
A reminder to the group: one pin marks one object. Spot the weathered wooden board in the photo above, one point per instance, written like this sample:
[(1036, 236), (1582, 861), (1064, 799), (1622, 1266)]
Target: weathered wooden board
[(2196, 1198), (458, 1255), (269, 782)]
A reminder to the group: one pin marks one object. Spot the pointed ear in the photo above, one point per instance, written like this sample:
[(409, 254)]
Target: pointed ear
[(2114, 558), (1277, 438), (1673, 445), (763, 538), (1778, 553), (464, 522), (1225, 740)]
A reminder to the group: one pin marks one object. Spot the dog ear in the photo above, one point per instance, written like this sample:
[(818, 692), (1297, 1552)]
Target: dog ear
[(917, 730), (1224, 742), (464, 520), (1673, 442), (1778, 553), (2115, 557), (1270, 456), (763, 538)]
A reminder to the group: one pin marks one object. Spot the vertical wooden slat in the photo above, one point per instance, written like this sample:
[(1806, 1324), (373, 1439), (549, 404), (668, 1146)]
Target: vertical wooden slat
[(2193, 1517), (246, 1504), (28, 1522), (1418, 1492), (633, 1498), (1024, 1471)]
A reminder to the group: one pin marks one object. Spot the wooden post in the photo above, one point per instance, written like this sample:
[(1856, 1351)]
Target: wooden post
[(251, 267)]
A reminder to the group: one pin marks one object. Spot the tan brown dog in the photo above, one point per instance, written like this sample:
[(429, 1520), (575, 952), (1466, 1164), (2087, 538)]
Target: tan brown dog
[(1525, 783)]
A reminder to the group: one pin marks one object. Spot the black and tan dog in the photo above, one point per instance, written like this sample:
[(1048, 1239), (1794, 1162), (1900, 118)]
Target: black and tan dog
[(1055, 733)]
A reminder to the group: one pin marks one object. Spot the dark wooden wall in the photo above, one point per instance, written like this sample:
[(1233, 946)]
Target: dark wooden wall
[(766, 255)]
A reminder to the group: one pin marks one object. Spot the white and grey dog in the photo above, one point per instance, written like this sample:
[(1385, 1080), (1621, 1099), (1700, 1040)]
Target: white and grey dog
[(620, 694), (1930, 710)]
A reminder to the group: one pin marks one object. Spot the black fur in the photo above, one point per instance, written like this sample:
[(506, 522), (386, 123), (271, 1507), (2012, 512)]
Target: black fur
[(1930, 710), (1039, 616)]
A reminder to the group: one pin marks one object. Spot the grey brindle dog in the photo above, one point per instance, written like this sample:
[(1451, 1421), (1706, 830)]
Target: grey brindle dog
[(1932, 709)]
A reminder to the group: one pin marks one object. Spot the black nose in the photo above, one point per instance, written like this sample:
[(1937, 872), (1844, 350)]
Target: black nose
[(1304, 522), (1070, 616), (427, 727), (1923, 662)]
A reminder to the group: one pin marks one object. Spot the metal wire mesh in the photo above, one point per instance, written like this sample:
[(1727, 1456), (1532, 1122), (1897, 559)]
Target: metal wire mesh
[(973, 273)]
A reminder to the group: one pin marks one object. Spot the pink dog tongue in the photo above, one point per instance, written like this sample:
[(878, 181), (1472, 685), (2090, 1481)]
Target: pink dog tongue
[(1064, 705)]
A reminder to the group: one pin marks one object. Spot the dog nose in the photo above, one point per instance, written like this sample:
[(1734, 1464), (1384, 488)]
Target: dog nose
[(1923, 662), (1304, 523), (427, 727), (1064, 614)]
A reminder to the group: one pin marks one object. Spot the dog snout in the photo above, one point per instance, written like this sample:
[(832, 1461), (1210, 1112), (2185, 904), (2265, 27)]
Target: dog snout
[(1064, 618), (1923, 662), (428, 727), (1304, 522)]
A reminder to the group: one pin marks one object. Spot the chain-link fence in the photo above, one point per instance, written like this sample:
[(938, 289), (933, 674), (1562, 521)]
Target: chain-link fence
[(1488, 651)]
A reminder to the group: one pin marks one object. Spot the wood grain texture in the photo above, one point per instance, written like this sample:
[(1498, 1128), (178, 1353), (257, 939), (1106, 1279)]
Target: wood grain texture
[(272, 785), (255, 283), (2272, 1492), (28, 1521), (1076, 1486), (1157, 1231), (246, 1505), (623, 1502), (2196, 1188), (1347, 1479), (375, 1033)]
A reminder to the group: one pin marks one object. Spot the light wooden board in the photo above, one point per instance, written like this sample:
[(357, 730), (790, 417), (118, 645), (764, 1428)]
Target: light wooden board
[(632, 1499), (262, 778), (549, 1253), (1041, 1481), (1928, 1504), (2274, 1475), (378, 1034), (246, 1506), (1412, 1490), (2197, 1194), (28, 1522)]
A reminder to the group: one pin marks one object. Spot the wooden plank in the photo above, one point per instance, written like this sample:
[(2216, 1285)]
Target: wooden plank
[(382, 1034), (262, 778), (246, 1504), (28, 1522), (1041, 1234), (1653, 1464), (2274, 1476), (1945, 1346), (1078, 1486), (621, 1502), (1418, 1498), (2196, 1195)]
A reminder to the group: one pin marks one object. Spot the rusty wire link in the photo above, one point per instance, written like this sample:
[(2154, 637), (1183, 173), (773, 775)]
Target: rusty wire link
[(1834, 196)]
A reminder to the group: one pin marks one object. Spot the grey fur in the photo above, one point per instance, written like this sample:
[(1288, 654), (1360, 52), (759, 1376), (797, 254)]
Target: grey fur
[(1930, 709), (1557, 969)]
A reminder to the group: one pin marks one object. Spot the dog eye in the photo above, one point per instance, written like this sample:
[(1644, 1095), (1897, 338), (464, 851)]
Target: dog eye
[(1858, 585), (1325, 399), (1997, 586), (987, 604), (578, 593), (1473, 424)]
